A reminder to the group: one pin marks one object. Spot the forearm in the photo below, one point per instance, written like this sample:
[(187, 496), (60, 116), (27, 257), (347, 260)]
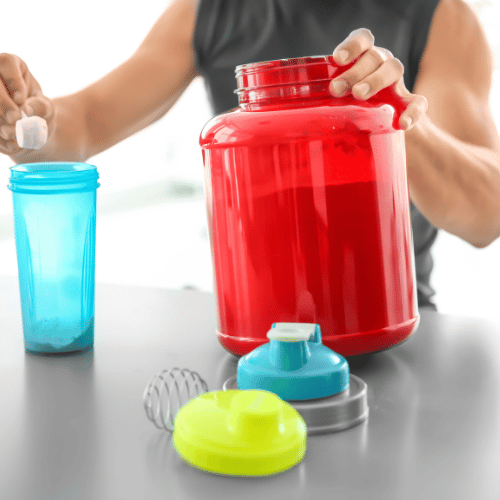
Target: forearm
[(456, 185)]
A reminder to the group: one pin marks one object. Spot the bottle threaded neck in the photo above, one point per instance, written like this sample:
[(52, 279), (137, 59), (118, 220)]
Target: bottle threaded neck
[(53, 177), (286, 79)]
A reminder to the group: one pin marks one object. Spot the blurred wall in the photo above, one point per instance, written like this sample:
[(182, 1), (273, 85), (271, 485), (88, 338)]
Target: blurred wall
[(68, 45)]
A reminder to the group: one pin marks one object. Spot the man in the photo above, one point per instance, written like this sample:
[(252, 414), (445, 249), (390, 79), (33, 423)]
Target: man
[(452, 145)]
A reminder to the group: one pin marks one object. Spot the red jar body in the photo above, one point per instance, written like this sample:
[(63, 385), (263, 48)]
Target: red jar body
[(308, 212)]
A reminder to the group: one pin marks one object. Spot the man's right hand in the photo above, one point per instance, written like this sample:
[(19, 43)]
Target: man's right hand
[(129, 98), (19, 90)]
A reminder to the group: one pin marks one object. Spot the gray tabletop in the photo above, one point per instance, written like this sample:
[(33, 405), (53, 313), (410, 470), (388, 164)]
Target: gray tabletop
[(74, 427)]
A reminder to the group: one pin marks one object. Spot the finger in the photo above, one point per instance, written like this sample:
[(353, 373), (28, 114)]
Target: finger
[(403, 91), (7, 132), (388, 73), (9, 111), (353, 46), (11, 74), (414, 112), (8, 139), (8, 147), (39, 106), (368, 63)]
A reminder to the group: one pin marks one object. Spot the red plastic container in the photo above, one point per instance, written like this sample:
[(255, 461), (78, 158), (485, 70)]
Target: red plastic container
[(308, 210)]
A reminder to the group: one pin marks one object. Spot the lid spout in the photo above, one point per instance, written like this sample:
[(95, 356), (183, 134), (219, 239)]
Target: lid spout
[(289, 349), (289, 356)]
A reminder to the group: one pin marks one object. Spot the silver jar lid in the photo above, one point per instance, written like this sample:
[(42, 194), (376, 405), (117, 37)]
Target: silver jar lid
[(333, 413)]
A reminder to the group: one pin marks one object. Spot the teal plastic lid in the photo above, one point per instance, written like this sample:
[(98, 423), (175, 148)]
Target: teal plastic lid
[(295, 364)]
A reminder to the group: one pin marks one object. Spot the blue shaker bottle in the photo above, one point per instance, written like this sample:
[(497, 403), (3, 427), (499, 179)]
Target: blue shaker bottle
[(54, 221)]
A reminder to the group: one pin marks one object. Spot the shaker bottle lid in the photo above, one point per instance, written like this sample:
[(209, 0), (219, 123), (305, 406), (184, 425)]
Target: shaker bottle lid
[(295, 364), (241, 433), (316, 381)]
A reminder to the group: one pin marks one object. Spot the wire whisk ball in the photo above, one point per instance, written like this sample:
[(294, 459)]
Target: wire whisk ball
[(168, 391)]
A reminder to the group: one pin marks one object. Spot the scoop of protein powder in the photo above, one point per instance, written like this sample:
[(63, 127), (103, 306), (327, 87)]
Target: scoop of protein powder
[(31, 131)]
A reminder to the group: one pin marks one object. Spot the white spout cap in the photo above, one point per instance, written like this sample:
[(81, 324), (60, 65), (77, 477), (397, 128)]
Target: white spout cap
[(292, 332), (31, 132)]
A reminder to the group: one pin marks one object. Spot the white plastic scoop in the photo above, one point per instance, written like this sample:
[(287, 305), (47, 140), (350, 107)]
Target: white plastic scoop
[(31, 131)]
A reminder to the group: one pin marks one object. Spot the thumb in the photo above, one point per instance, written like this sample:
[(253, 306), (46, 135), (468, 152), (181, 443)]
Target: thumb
[(39, 106)]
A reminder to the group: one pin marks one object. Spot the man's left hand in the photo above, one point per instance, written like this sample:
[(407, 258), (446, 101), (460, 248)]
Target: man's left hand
[(375, 69)]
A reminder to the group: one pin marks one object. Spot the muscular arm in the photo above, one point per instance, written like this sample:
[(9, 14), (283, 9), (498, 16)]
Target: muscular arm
[(453, 153), (129, 98)]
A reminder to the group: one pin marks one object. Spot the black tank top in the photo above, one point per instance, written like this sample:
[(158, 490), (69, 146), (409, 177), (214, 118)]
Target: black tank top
[(233, 32)]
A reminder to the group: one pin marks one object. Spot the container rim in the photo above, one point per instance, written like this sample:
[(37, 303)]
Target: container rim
[(52, 166), (281, 63), (61, 175)]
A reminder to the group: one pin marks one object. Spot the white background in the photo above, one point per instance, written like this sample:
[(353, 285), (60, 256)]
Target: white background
[(151, 227)]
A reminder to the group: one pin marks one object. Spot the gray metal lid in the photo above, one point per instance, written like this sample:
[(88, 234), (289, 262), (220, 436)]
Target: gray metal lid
[(333, 413)]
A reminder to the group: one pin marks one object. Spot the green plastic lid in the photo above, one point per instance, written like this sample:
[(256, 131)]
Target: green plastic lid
[(240, 433)]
